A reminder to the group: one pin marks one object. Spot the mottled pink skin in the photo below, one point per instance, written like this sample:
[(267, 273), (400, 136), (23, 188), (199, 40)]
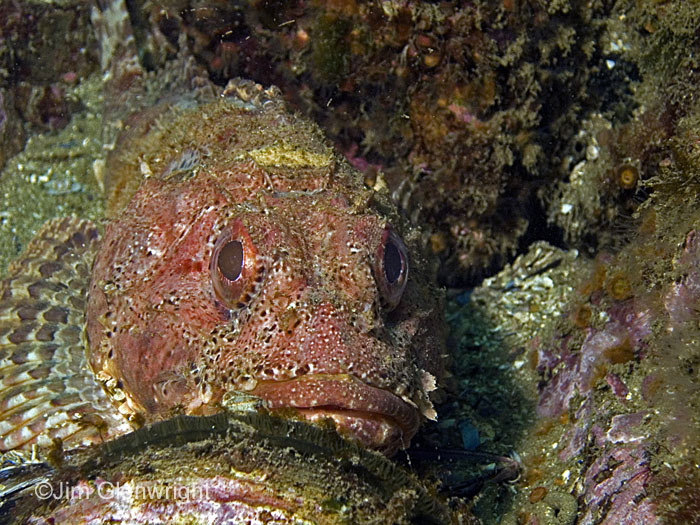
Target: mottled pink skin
[(309, 324)]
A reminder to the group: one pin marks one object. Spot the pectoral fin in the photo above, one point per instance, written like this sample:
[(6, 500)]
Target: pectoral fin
[(47, 390)]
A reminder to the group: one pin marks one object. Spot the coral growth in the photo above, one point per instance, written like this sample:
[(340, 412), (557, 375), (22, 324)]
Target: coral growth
[(613, 374)]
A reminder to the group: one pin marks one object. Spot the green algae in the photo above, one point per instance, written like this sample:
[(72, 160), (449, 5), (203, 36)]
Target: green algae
[(53, 176)]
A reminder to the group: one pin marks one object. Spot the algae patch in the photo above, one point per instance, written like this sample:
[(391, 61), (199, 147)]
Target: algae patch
[(53, 176)]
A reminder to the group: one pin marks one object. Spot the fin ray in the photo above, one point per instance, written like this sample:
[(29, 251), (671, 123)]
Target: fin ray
[(47, 389)]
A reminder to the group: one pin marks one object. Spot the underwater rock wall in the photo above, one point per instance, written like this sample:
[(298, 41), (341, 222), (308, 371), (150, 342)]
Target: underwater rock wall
[(50, 117), (497, 125), (611, 372)]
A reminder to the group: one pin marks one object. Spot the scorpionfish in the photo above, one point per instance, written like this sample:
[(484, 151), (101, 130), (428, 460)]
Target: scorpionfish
[(240, 254)]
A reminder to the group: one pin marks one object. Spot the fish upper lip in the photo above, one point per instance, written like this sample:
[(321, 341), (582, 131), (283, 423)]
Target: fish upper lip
[(339, 392)]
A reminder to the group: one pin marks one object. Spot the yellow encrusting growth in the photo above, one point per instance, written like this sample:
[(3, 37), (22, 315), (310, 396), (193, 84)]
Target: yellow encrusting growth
[(287, 155)]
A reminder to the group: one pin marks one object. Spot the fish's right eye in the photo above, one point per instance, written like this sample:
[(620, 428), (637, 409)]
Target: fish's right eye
[(230, 260), (234, 266)]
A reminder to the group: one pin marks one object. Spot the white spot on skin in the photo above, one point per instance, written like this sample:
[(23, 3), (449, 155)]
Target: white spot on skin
[(145, 169)]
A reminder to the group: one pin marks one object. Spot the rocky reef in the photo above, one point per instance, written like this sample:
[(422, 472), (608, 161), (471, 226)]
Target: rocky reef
[(605, 418), (50, 117), (550, 151), (45, 47), (601, 337)]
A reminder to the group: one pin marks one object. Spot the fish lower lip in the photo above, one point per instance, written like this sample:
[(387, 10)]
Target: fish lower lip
[(367, 413)]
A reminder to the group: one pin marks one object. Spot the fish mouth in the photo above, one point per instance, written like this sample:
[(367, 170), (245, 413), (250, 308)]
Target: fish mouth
[(376, 417)]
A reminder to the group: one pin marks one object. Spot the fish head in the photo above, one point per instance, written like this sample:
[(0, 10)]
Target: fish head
[(285, 279)]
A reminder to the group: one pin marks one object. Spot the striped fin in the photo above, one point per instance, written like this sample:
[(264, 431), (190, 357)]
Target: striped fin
[(47, 390)]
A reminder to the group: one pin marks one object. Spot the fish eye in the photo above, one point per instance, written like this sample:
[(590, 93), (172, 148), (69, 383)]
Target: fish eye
[(391, 268), (230, 260), (235, 267), (394, 264)]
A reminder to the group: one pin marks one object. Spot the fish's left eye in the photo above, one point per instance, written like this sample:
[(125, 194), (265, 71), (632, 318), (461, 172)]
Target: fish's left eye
[(234, 266), (391, 268), (393, 262)]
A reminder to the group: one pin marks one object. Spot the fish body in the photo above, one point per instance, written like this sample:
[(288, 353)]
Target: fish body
[(240, 254), (47, 391)]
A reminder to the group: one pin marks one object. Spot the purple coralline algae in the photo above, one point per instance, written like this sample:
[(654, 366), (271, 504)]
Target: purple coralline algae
[(614, 397), (606, 386), (575, 372), (613, 447)]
